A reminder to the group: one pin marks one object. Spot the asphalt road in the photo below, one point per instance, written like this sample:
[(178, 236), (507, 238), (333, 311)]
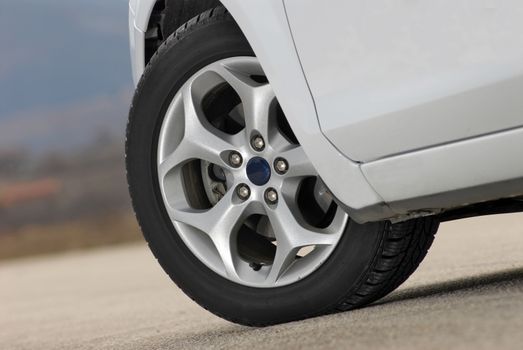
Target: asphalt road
[(468, 294)]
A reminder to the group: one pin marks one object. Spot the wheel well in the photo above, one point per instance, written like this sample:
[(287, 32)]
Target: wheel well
[(167, 16)]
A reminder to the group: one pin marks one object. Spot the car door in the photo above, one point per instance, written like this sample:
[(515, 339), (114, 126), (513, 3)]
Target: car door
[(391, 77)]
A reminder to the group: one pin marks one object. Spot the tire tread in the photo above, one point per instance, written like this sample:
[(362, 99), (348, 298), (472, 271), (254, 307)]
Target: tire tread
[(404, 247)]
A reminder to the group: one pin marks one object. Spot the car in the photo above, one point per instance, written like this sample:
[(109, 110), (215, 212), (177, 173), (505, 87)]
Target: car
[(293, 158)]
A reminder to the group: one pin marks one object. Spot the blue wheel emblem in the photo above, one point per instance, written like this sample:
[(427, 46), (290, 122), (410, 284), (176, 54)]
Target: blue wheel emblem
[(258, 171)]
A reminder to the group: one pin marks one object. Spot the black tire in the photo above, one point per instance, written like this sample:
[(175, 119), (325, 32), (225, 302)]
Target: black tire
[(370, 260)]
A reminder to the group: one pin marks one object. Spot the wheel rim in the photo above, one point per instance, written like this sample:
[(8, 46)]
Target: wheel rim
[(239, 189)]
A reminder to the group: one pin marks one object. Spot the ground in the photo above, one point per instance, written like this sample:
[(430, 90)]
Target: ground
[(467, 294)]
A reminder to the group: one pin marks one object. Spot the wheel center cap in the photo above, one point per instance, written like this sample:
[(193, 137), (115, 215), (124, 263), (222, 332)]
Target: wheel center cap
[(258, 171)]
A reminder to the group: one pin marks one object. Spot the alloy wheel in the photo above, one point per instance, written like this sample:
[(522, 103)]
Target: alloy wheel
[(236, 184)]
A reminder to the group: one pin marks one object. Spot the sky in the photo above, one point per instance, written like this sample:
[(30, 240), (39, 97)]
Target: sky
[(65, 72)]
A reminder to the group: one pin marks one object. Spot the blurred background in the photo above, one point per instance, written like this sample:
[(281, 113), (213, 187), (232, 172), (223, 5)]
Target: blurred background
[(65, 90)]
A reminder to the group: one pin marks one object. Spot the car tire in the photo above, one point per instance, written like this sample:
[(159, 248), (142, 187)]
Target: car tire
[(369, 260)]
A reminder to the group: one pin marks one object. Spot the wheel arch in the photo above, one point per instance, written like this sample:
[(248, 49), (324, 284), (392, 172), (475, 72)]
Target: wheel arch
[(165, 16)]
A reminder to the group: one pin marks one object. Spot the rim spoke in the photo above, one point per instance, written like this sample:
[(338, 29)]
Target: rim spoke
[(291, 236), (297, 235), (220, 223), (198, 142), (299, 163), (181, 154), (256, 100), (240, 82), (206, 142), (226, 249), (257, 111), (285, 256)]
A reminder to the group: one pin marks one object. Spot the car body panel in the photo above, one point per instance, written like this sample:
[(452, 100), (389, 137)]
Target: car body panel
[(410, 75), (136, 44), (475, 163), (142, 10), (408, 157)]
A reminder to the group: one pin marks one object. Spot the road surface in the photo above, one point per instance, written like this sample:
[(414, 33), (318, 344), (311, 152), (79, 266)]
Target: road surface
[(468, 294)]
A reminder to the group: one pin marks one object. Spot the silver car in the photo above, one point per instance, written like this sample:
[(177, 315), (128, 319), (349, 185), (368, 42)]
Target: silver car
[(291, 158)]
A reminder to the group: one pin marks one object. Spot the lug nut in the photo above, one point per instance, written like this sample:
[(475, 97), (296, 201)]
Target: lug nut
[(235, 159), (281, 166), (271, 196), (243, 191), (257, 143)]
